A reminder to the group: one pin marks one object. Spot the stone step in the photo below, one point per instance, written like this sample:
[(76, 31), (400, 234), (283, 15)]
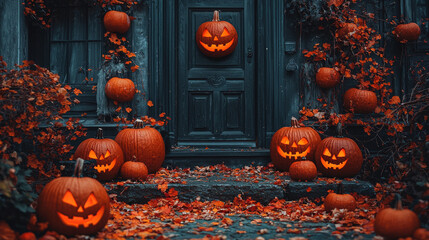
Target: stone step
[(227, 188)]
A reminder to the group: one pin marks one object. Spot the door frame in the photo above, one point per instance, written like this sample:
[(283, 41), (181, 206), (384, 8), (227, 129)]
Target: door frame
[(163, 59)]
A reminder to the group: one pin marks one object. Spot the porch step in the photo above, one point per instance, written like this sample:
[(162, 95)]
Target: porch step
[(226, 188)]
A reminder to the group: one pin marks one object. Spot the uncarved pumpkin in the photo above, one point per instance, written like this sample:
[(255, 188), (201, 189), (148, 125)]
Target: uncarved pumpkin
[(216, 38), (292, 143), (347, 29), (142, 144), (74, 205), (120, 89), (393, 223), (421, 234), (327, 77), (339, 200), (303, 170), (134, 170), (107, 153), (117, 22), (408, 32), (360, 101), (336, 3)]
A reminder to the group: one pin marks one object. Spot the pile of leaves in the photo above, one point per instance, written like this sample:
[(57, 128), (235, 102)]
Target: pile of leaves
[(32, 130)]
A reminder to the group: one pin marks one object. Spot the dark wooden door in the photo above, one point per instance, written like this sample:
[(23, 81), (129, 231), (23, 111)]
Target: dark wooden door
[(216, 96)]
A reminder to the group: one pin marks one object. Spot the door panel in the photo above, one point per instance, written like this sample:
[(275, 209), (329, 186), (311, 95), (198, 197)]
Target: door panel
[(216, 96)]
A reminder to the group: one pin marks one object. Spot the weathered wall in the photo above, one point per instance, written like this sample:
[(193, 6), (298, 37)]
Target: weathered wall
[(13, 32)]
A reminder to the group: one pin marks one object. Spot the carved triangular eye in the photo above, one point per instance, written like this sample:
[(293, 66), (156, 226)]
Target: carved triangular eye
[(92, 155), (107, 154), (206, 33), (285, 140), (303, 141), (342, 153), (225, 33), (91, 201), (69, 199), (327, 153)]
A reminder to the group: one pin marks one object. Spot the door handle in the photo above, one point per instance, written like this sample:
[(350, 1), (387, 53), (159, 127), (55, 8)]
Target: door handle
[(249, 55)]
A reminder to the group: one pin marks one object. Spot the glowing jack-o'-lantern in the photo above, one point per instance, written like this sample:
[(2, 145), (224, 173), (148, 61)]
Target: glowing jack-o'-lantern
[(74, 205), (292, 143), (216, 38), (107, 153), (338, 157)]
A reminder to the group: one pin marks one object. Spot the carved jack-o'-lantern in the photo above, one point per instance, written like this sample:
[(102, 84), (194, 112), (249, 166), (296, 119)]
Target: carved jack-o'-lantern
[(216, 38), (74, 205), (293, 143), (106, 152), (338, 157)]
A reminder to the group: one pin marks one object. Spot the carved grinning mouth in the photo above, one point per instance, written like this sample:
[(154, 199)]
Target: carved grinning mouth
[(105, 167), (217, 47), (296, 155), (327, 164), (79, 221)]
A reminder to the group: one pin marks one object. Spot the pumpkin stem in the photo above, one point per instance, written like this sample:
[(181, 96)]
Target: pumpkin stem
[(99, 133), (78, 168), (294, 123), (398, 202), (138, 123), (340, 129), (216, 16), (340, 189)]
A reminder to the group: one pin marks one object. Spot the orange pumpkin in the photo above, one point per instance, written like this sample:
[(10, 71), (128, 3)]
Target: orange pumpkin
[(107, 153), (360, 101), (134, 170), (421, 234), (120, 89), (74, 205), (303, 170), (293, 143), (393, 223), (327, 77), (339, 200), (346, 29), (117, 22), (407, 32), (142, 144), (216, 38)]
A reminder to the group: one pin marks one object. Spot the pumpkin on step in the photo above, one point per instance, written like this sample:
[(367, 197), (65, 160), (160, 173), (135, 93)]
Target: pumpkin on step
[(120, 89), (216, 38), (107, 153), (338, 156), (303, 170), (360, 101), (393, 223), (293, 143), (74, 205), (134, 170), (142, 144), (339, 200)]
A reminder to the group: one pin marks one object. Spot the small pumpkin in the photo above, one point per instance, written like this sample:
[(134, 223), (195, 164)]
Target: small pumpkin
[(360, 101), (407, 32), (339, 200), (134, 170), (338, 156), (327, 77), (216, 38), (393, 223), (27, 236), (346, 29), (293, 143), (421, 234), (116, 22), (74, 205), (303, 170), (107, 153), (120, 89), (142, 144)]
